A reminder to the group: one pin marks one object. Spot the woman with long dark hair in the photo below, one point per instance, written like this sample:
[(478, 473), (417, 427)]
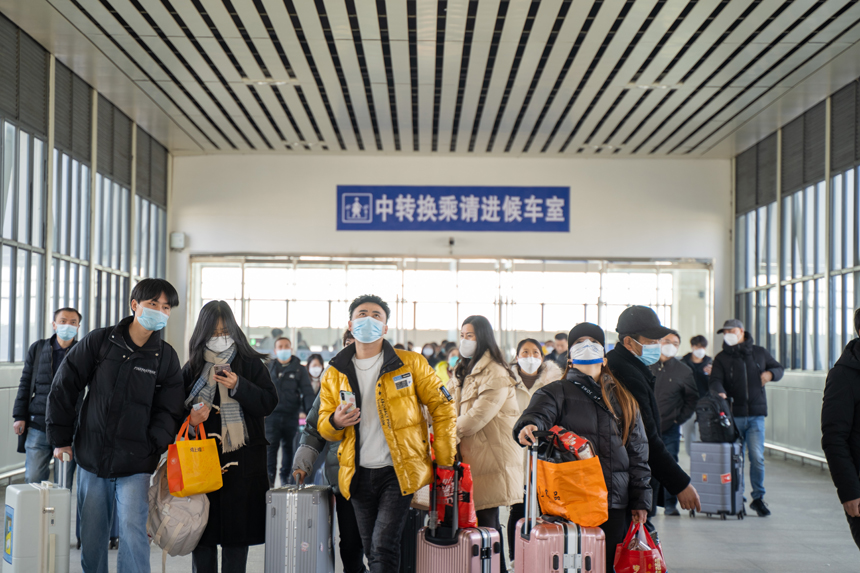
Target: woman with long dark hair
[(315, 365), (590, 402), (531, 373), (235, 402), (486, 402)]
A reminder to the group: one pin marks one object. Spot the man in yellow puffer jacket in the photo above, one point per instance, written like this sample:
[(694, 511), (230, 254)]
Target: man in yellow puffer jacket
[(385, 447)]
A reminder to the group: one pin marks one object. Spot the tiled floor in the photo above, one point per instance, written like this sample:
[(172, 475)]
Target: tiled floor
[(807, 532)]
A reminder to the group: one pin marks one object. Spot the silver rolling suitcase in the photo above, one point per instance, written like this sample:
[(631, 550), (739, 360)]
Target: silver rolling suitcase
[(37, 526), (299, 529), (717, 473)]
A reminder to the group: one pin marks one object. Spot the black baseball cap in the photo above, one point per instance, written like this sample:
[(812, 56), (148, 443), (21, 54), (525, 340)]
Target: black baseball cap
[(641, 321), (731, 323), (586, 329)]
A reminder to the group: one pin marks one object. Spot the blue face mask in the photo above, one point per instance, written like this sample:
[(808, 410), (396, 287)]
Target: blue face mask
[(452, 362), (66, 332), (367, 329), (650, 353), (151, 319), (284, 355)]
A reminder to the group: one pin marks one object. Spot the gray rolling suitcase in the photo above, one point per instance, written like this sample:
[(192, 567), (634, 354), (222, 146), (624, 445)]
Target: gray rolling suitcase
[(299, 529), (717, 473)]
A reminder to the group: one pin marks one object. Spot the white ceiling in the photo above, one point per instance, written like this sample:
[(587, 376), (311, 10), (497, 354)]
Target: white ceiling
[(551, 78)]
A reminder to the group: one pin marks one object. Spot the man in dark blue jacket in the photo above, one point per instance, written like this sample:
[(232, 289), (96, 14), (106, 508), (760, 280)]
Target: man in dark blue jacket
[(740, 372), (41, 365), (295, 395)]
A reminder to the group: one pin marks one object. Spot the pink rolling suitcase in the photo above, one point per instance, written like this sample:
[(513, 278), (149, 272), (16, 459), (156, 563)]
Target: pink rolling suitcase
[(455, 550), (552, 544)]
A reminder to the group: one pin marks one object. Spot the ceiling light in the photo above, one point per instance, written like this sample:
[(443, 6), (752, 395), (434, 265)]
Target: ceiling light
[(654, 86), (271, 82)]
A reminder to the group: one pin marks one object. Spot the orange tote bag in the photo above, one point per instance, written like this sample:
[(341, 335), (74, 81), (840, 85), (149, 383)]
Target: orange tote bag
[(193, 466)]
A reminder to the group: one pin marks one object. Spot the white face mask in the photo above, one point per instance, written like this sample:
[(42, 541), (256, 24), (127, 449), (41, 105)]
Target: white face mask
[(219, 343), (315, 371), (529, 365), (669, 350), (730, 338), (468, 347), (428, 351), (699, 353), (587, 352)]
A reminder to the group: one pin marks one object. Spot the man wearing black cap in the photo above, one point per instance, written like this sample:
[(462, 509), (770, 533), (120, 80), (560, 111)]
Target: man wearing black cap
[(639, 333), (740, 372)]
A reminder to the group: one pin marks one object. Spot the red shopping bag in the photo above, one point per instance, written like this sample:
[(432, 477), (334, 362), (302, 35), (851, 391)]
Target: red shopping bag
[(445, 494), (631, 557)]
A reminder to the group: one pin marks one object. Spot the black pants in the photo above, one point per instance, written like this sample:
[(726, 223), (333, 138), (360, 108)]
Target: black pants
[(204, 559), (490, 518), (281, 434), (380, 511), (351, 549), (615, 528), (854, 524), (518, 511)]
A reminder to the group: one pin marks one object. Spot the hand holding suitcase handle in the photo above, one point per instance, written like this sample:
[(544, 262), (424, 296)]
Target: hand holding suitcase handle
[(434, 514)]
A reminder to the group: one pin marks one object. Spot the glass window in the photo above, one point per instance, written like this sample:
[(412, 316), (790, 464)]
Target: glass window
[(7, 192), (7, 269)]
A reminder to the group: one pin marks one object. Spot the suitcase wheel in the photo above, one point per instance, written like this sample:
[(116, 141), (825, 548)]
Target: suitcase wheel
[(692, 513), (741, 515), (723, 516)]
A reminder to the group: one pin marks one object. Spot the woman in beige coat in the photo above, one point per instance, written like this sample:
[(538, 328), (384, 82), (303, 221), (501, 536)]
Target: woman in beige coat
[(531, 373), (487, 409)]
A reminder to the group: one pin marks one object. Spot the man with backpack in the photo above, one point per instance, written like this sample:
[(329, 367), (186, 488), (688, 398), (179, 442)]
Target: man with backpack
[(131, 413), (740, 372), (41, 365)]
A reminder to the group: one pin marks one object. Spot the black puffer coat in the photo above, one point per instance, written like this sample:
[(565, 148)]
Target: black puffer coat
[(311, 437), (737, 374), (31, 409), (625, 467), (295, 393), (702, 379), (840, 422), (237, 511), (638, 380), (133, 408)]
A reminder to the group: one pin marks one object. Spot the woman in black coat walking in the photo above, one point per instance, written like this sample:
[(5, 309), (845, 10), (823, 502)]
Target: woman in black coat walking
[(235, 403), (590, 402)]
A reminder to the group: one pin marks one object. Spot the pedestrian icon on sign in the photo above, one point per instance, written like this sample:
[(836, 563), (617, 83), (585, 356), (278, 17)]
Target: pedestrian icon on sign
[(357, 208)]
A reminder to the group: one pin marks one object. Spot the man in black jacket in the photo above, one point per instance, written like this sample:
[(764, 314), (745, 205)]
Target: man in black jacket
[(676, 400), (740, 372), (639, 333), (295, 395), (840, 429), (40, 366), (559, 353), (131, 413)]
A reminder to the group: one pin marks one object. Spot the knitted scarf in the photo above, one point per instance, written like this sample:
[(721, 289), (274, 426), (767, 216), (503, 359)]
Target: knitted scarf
[(234, 432)]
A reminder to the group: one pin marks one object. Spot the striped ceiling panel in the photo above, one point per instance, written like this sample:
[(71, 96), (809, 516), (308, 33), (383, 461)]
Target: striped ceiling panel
[(527, 77)]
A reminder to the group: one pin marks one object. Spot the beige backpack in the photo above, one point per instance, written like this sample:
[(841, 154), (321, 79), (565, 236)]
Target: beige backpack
[(175, 524)]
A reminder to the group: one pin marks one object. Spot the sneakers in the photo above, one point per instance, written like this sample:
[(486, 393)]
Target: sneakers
[(760, 507), (673, 512)]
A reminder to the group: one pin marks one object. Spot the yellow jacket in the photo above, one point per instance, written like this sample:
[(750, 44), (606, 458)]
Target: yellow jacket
[(442, 371), (399, 410)]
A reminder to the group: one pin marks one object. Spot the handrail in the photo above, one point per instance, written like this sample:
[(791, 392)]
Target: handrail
[(802, 455)]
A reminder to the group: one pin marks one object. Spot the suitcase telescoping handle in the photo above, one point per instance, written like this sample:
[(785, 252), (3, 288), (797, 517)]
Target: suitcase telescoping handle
[(531, 509), (62, 471), (434, 514)]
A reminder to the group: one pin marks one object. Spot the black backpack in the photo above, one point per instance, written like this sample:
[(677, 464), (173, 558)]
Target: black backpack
[(716, 423)]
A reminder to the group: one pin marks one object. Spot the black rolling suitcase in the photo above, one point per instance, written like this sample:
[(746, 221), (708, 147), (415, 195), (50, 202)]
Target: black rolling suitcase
[(409, 541)]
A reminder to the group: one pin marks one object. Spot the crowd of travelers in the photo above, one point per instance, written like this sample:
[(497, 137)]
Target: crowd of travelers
[(114, 400)]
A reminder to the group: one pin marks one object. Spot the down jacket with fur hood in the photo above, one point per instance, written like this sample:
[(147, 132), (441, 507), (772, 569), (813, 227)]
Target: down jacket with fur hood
[(487, 409), (625, 466)]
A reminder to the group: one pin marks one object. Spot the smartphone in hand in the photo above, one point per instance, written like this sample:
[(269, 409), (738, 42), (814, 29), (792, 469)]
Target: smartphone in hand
[(347, 397), (220, 369)]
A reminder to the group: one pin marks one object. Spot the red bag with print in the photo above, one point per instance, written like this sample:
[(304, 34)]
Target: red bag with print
[(631, 555), (445, 493)]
